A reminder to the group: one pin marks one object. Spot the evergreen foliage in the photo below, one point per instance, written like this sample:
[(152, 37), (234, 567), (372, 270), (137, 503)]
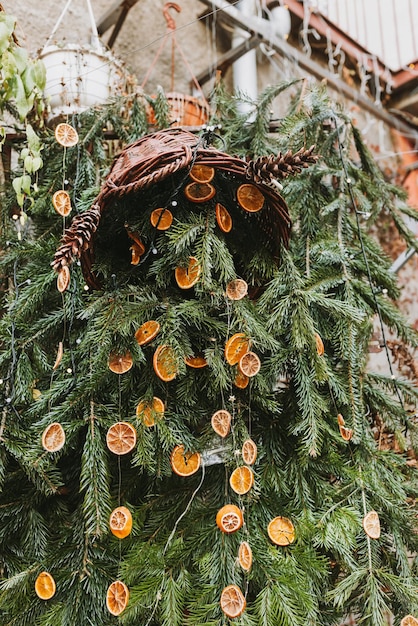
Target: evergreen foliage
[(332, 281)]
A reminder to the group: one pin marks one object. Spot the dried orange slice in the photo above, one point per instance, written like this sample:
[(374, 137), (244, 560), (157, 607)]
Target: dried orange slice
[(121, 438), (249, 364), (45, 586), (60, 354), (53, 437), (319, 344), (161, 219), (120, 522), (137, 240), (241, 380), (242, 479), (62, 202), (147, 332), (409, 620), (229, 518), (249, 451), (281, 531), (202, 173), (150, 412), (117, 597), (66, 135), (120, 363), (221, 422), (340, 420), (346, 433), (236, 347), (165, 363), (63, 278), (232, 601), (136, 253), (371, 525), (250, 198), (199, 192), (184, 463), (188, 276), (197, 362), (245, 556), (236, 289), (223, 218)]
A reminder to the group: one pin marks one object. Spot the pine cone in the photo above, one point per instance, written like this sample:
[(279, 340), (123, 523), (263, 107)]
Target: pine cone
[(265, 169), (76, 238)]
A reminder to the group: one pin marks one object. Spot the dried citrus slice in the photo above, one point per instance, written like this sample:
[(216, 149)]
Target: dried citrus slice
[(197, 362), (135, 254), (120, 363), (236, 347), (53, 437), (161, 219), (229, 518), (184, 463), (241, 479), (409, 620), (120, 522), (236, 289), (165, 363), (250, 198), (66, 135), (249, 364), (147, 332), (319, 344), (45, 586), (223, 218), (63, 278), (150, 412), (121, 438), (281, 531), (202, 173), (58, 358), (137, 240), (371, 525), (199, 192), (188, 276), (346, 433), (221, 422), (117, 597), (233, 602), (245, 556), (249, 451), (340, 420), (62, 202), (241, 380)]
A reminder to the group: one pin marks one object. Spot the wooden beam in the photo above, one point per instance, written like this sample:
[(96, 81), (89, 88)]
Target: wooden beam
[(119, 10), (227, 59)]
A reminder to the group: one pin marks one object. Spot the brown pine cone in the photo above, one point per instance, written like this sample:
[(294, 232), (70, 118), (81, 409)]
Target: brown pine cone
[(264, 169), (76, 238)]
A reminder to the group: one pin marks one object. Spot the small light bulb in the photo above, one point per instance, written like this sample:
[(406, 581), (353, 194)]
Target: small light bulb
[(385, 292), (348, 181), (15, 216), (8, 400), (78, 340), (174, 203), (69, 370), (86, 287), (154, 250), (1, 381)]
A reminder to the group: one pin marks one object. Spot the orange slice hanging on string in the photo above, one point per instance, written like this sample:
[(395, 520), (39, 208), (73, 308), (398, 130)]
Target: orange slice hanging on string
[(161, 219), (45, 586), (63, 278), (150, 412), (232, 601), (241, 380), (188, 276), (196, 362), (223, 218), (53, 437), (199, 192), (66, 135), (249, 364), (120, 522), (245, 556), (371, 525), (340, 420), (236, 289), (221, 422), (281, 531), (242, 479), (60, 354), (120, 363), (135, 254), (147, 332), (229, 518), (165, 363), (346, 433), (121, 438), (319, 345), (184, 463), (409, 620), (249, 451), (250, 198), (236, 347), (117, 597), (62, 202), (201, 173)]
